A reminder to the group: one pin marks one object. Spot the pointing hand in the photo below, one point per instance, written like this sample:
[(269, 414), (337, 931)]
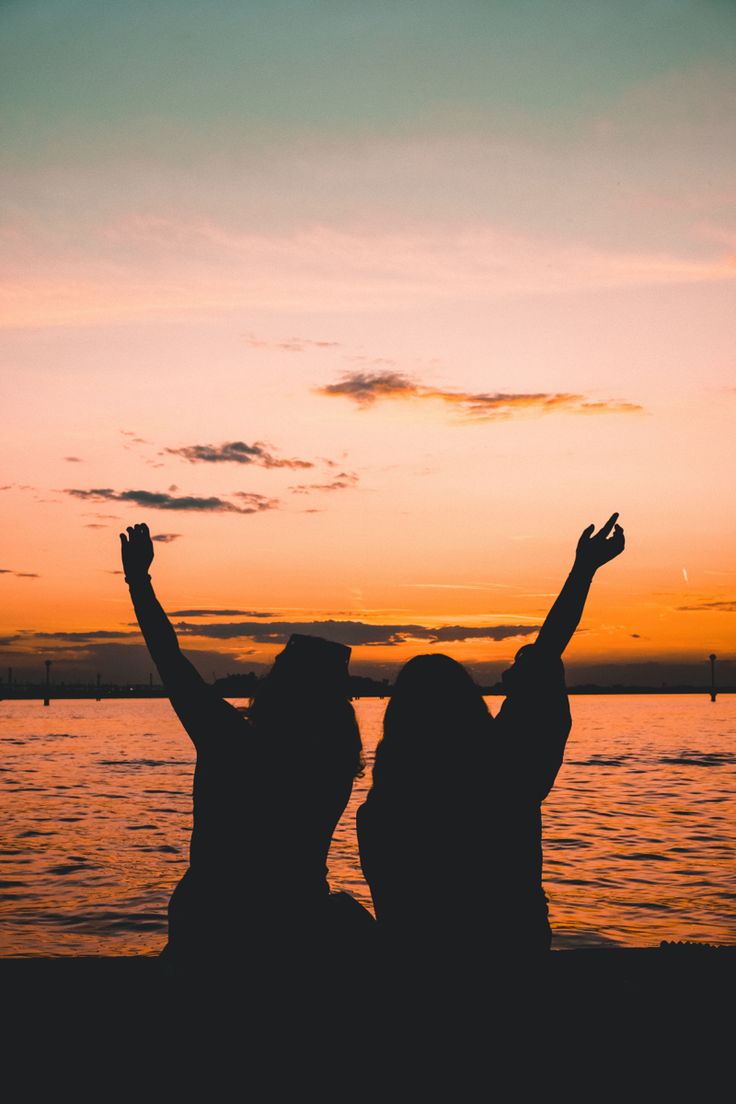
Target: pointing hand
[(595, 549)]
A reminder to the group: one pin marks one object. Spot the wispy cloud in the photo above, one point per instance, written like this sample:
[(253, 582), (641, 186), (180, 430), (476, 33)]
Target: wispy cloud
[(342, 482), (353, 633), (73, 459), (236, 452), (76, 637), (19, 574), (366, 388), (374, 361), (288, 344), (455, 586), (165, 538), (727, 606), (210, 266), (159, 500), (254, 503), (218, 613)]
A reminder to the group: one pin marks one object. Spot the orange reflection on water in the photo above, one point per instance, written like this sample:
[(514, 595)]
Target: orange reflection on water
[(639, 829)]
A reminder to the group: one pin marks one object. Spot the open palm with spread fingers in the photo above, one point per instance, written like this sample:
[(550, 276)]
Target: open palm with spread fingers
[(137, 551), (595, 549)]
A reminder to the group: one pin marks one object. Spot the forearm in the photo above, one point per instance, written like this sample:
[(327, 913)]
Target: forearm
[(156, 628), (198, 708), (564, 616)]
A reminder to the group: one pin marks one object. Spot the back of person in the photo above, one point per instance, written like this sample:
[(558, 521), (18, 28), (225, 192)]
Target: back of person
[(450, 835), (268, 792)]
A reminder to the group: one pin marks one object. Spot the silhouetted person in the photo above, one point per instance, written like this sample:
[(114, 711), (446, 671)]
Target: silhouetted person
[(451, 833), (269, 789)]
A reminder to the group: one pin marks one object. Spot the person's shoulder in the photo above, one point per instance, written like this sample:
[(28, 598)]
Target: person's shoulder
[(533, 663)]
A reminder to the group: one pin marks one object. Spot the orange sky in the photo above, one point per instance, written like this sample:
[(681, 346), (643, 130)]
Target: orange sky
[(446, 328)]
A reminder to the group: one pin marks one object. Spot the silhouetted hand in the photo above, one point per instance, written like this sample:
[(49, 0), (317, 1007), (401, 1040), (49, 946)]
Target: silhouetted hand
[(596, 549), (137, 552)]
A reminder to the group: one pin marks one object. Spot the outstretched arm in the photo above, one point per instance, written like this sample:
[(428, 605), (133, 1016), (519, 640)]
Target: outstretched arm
[(189, 693), (593, 550)]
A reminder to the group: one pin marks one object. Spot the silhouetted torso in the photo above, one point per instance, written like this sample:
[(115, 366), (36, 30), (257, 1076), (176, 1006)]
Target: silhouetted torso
[(257, 881), (455, 867)]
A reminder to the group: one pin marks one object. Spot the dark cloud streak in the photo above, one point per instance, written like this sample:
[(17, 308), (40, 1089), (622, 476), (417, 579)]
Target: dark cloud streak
[(342, 482), (365, 388), (236, 452), (155, 500), (218, 613), (353, 633), (728, 606), (75, 637)]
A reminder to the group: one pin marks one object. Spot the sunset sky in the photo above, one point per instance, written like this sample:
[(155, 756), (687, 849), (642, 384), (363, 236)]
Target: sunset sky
[(368, 309)]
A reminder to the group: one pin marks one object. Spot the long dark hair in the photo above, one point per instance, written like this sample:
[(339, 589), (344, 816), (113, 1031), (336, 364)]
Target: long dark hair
[(434, 729), (302, 709)]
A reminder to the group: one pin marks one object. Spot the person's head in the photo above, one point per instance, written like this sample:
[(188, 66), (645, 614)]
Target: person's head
[(434, 727), (302, 709)]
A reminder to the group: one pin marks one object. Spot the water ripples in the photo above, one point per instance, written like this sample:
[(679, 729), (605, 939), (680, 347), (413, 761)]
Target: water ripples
[(639, 830)]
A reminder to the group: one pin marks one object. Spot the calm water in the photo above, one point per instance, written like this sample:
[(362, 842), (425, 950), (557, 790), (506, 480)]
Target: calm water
[(640, 829)]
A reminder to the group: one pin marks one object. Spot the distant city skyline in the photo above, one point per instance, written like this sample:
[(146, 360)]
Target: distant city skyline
[(133, 666)]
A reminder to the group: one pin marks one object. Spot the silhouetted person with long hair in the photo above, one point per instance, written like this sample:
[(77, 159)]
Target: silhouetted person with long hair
[(269, 789), (451, 832)]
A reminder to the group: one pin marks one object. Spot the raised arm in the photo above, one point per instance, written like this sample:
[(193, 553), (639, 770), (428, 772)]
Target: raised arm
[(194, 701), (593, 550)]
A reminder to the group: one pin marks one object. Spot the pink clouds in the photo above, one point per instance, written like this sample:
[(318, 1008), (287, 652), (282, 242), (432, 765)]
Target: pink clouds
[(169, 266)]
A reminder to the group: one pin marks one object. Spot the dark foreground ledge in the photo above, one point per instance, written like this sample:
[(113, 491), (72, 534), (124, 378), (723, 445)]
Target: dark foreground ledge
[(690, 975), (644, 1021), (632, 963)]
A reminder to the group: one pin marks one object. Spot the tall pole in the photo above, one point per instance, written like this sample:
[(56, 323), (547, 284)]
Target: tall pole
[(47, 699), (713, 690)]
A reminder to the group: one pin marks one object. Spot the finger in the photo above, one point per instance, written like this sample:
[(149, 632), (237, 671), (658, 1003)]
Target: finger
[(123, 539), (131, 532), (606, 529), (587, 531)]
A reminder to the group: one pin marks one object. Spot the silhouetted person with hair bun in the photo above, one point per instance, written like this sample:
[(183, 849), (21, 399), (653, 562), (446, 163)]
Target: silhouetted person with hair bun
[(269, 789), (451, 832)]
